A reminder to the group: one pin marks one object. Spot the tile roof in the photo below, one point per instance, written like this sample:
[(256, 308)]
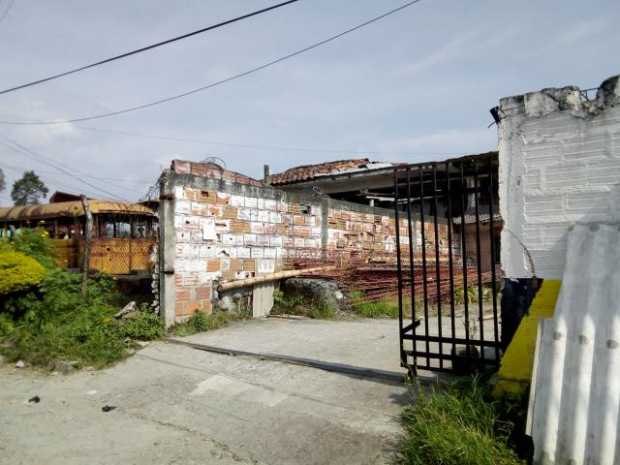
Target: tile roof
[(309, 172)]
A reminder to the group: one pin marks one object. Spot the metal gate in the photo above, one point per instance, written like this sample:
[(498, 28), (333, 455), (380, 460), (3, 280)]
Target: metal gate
[(447, 255)]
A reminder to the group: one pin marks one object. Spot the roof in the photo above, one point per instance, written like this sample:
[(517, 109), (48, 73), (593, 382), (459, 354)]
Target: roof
[(213, 171), (71, 209), (60, 196), (309, 172)]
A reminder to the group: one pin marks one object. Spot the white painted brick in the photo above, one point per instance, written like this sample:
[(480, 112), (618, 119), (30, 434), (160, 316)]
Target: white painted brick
[(244, 252), (236, 200), (183, 206), (265, 266), (276, 241), (275, 218), (264, 216), (557, 167), (244, 214)]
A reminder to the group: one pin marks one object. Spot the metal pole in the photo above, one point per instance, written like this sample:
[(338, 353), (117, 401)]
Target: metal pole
[(88, 231)]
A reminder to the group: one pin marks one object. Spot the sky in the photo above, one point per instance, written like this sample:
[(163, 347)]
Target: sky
[(415, 86)]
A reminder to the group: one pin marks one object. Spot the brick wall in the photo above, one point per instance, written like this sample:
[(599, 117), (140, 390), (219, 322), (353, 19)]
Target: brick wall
[(559, 164), (227, 228)]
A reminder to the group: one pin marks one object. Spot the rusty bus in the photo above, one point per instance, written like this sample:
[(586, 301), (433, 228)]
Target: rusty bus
[(124, 234)]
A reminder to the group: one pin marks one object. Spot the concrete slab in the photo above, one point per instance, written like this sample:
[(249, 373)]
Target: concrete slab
[(180, 405), (368, 343)]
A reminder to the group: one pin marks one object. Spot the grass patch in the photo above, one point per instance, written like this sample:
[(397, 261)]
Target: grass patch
[(298, 305), (200, 322), (457, 425), (384, 308)]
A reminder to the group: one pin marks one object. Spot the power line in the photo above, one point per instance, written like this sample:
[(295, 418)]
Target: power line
[(61, 184), (146, 48), (136, 182), (41, 159), (221, 81), (261, 147)]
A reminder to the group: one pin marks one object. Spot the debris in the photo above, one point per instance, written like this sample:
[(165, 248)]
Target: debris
[(92, 393), (34, 400), (20, 364), (127, 309), (107, 408)]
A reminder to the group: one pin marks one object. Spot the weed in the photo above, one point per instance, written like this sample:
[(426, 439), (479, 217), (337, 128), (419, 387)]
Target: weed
[(299, 305), (200, 322), (455, 426), (385, 308), (53, 321), (144, 326)]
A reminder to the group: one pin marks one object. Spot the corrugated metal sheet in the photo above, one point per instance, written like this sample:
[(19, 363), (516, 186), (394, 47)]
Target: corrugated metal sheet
[(70, 209), (308, 172), (575, 397)]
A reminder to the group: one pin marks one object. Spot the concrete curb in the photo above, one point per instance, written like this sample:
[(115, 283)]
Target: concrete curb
[(391, 377)]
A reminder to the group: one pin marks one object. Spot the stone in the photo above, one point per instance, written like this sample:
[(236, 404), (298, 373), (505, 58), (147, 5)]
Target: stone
[(20, 364), (321, 291)]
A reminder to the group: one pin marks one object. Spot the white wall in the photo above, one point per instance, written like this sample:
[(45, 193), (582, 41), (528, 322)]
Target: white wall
[(559, 164)]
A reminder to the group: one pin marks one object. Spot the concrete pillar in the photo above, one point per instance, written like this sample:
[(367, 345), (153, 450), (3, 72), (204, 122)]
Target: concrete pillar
[(167, 251)]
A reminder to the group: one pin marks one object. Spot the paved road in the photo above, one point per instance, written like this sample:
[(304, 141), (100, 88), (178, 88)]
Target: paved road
[(178, 405)]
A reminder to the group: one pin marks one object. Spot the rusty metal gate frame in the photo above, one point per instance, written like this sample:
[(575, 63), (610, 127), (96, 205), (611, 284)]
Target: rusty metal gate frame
[(421, 345)]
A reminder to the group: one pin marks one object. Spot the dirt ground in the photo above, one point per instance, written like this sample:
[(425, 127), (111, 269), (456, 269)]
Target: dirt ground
[(178, 405)]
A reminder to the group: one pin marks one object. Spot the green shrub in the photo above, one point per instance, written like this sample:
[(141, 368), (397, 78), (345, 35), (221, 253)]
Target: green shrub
[(18, 272), (7, 326), (55, 322), (455, 426), (35, 243)]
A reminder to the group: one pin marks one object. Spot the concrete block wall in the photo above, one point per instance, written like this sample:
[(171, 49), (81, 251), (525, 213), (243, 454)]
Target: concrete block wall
[(559, 158), (226, 229)]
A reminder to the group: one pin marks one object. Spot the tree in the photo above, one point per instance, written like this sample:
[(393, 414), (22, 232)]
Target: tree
[(2, 181), (28, 190)]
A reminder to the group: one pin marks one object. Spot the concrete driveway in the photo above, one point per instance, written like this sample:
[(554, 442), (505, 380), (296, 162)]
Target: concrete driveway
[(178, 405)]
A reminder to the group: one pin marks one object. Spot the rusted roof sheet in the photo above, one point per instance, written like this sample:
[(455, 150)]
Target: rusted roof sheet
[(213, 171), (308, 172), (71, 209)]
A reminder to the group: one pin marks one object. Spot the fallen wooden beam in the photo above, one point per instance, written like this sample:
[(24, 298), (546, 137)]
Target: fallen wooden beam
[(227, 285)]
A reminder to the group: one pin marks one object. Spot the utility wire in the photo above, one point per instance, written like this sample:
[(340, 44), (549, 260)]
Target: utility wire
[(61, 184), (260, 147), (222, 81), (136, 182), (41, 159), (146, 48)]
